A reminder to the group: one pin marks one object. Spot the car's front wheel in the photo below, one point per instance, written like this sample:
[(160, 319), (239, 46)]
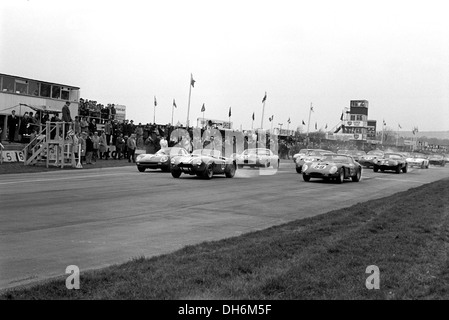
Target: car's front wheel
[(209, 172), (398, 169), (375, 168), (298, 169), (141, 169), (176, 173), (306, 177), (405, 169), (341, 176), (230, 173), (358, 176)]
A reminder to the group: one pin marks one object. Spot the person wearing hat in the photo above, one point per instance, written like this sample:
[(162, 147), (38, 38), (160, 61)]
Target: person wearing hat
[(131, 144)]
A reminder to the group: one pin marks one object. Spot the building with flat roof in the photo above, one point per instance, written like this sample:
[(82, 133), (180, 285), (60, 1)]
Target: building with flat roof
[(18, 93)]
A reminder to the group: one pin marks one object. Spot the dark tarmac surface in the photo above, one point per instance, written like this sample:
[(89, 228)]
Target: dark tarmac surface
[(101, 216)]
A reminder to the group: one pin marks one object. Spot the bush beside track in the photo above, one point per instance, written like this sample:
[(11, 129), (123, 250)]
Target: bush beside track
[(324, 257)]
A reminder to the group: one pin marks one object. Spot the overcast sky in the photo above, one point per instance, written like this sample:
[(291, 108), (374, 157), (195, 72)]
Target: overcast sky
[(395, 54)]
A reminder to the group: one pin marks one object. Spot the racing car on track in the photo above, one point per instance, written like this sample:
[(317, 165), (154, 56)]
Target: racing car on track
[(367, 160), (416, 159), (437, 160), (258, 157), (301, 153), (391, 161), (333, 167), (310, 156), (356, 154), (159, 160), (204, 163)]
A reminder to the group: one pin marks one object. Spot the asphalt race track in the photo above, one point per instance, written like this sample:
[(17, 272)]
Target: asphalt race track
[(94, 218)]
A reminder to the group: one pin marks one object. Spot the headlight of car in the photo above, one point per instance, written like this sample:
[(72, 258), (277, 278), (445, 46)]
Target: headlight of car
[(374, 160), (198, 162), (164, 159), (173, 160), (333, 170), (139, 157), (304, 167)]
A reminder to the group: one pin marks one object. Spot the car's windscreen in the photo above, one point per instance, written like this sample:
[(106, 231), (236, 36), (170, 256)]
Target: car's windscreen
[(393, 156), (374, 153), (335, 158), (437, 156)]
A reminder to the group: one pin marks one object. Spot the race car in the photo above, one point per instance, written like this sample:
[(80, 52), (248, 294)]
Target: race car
[(204, 163), (301, 152), (312, 155), (333, 167), (437, 160), (259, 157), (367, 160), (391, 161), (159, 160), (356, 154), (418, 160)]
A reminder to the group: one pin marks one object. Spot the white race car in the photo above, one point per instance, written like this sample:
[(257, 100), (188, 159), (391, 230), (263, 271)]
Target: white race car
[(418, 160)]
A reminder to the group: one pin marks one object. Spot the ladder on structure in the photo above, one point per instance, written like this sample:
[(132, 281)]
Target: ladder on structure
[(50, 147)]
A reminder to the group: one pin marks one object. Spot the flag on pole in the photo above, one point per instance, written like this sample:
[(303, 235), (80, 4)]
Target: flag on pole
[(229, 112), (270, 118), (325, 126), (253, 116), (384, 122), (174, 103), (289, 121), (192, 82), (264, 97), (155, 102), (203, 108), (311, 109), (316, 126), (303, 123), (341, 117), (399, 126)]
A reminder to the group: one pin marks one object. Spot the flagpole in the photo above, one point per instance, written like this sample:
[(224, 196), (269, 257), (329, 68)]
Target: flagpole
[(308, 124), (154, 114), (263, 111), (397, 136), (188, 105), (172, 111), (382, 137), (271, 131)]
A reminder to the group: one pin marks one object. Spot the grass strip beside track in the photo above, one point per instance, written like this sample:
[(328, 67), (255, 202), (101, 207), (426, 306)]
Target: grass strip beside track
[(324, 257)]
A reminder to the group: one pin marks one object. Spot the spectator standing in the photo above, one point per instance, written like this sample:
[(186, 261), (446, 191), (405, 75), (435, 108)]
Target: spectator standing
[(13, 123), (77, 125), (66, 117), (24, 123), (119, 146), (84, 124), (131, 144), (93, 126), (96, 146), (108, 131), (103, 146), (163, 142), (89, 148), (82, 142)]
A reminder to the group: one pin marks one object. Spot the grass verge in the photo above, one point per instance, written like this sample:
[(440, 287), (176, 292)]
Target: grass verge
[(324, 257)]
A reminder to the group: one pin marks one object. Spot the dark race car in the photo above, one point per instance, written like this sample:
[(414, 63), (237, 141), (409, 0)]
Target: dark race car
[(356, 154), (204, 163), (312, 155), (368, 159), (437, 160), (391, 161), (159, 160), (333, 167)]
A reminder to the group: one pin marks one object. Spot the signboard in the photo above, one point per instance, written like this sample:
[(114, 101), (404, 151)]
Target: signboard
[(355, 123), (12, 156), (409, 143), (120, 112), (220, 124)]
